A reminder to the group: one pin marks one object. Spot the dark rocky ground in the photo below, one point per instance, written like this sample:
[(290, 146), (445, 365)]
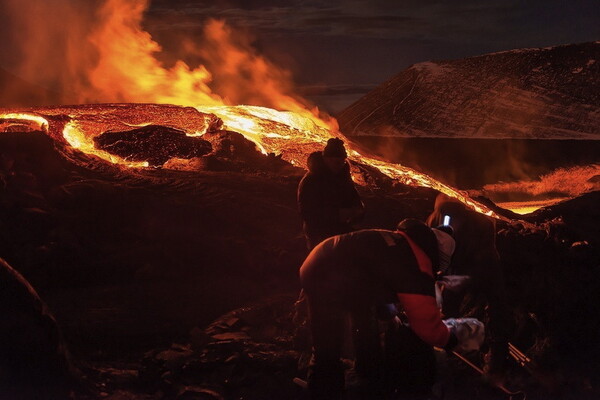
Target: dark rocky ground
[(142, 268)]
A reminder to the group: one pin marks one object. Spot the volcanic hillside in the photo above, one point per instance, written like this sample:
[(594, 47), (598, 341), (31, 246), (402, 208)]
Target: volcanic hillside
[(546, 93)]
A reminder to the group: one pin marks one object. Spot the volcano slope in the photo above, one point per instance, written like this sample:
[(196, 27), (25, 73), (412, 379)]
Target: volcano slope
[(131, 260), (500, 117), (546, 93)]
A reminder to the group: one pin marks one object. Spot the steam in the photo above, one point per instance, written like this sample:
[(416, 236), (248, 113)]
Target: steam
[(48, 40), (97, 51), (567, 182)]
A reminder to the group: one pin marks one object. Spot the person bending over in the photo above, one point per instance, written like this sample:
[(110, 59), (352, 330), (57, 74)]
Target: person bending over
[(351, 274)]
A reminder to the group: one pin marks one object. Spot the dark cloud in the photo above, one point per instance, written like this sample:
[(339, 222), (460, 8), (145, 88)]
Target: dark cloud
[(472, 19), (334, 90)]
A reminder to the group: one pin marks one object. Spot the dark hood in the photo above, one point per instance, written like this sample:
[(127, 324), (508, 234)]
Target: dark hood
[(316, 166)]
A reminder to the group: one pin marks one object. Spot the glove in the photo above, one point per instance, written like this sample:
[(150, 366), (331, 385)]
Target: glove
[(469, 333)]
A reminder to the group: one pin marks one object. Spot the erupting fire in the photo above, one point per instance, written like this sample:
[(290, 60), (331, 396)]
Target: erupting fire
[(127, 70)]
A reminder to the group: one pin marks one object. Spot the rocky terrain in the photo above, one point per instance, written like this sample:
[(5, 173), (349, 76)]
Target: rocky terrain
[(541, 93), (143, 267)]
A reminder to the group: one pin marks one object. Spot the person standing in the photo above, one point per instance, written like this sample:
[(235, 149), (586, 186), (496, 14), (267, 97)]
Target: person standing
[(329, 205), (327, 199), (476, 257)]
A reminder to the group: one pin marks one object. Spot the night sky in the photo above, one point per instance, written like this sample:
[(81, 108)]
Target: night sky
[(349, 47)]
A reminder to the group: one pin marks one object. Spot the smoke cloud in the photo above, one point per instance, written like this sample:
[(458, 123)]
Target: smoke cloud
[(98, 51)]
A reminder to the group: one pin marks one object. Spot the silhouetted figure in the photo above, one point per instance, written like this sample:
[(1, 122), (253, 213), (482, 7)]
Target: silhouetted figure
[(353, 273), (328, 201), (34, 363), (476, 256)]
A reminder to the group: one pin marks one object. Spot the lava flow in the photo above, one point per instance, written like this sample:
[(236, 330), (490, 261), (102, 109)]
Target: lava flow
[(285, 133)]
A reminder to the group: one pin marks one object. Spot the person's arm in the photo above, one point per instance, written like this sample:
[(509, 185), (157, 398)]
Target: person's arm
[(354, 208), (425, 320), (434, 219)]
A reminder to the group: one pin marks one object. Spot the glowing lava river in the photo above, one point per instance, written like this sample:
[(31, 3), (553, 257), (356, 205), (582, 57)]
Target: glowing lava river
[(291, 135)]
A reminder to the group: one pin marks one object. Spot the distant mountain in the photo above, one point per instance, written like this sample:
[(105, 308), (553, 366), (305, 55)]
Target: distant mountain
[(546, 93)]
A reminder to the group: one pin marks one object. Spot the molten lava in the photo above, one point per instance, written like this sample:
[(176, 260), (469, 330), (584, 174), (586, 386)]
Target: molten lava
[(527, 207), (289, 134)]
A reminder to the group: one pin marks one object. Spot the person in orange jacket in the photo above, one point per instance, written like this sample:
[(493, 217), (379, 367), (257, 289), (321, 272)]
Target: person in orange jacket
[(351, 274)]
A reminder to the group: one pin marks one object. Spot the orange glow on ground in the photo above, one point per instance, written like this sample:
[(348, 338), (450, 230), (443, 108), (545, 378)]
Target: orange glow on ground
[(527, 207)]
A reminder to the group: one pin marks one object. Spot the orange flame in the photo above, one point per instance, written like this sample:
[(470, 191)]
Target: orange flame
[(248, 78), (128, 70)]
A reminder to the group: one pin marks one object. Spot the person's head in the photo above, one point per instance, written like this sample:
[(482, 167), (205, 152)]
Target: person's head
[(334, 155), (437, 244)]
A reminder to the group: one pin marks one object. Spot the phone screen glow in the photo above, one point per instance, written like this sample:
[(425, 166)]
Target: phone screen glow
[(446, 220)]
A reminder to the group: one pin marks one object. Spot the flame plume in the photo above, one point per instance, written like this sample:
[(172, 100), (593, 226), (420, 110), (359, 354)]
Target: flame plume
[(128, 70)]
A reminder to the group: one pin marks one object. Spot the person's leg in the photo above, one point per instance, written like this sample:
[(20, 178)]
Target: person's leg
[(499, 320), (410, 365), (367, 347), (367, 344), (302, 335), (326, 373), (499, 330)]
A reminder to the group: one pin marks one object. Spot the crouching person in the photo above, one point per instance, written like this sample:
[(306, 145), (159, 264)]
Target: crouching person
[(351, 274)]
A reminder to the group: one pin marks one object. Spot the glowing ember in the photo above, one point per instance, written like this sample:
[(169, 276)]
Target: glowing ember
[(40, 123)]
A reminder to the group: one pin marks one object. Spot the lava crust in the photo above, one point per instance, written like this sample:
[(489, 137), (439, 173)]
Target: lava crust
[(154, 143)]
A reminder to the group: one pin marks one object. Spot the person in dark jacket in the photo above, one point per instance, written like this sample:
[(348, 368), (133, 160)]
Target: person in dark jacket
[(351, 274), (476, 257), (327, 199)]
